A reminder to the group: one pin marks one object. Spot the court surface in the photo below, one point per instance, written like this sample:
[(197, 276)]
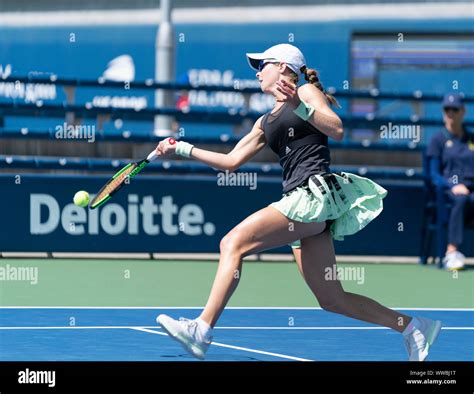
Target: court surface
[(104, 310)]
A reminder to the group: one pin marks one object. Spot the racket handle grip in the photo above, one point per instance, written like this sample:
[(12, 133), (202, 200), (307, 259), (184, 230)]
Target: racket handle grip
[(152, 156)]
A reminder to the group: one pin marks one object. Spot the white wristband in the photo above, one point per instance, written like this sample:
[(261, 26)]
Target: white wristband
[(304, 111), (183, 149)]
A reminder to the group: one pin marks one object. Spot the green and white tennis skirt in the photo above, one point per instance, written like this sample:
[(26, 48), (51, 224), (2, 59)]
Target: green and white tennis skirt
[(349, 200)]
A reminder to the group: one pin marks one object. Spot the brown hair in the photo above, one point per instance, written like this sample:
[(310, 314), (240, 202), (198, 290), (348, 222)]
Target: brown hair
[(312, 77)]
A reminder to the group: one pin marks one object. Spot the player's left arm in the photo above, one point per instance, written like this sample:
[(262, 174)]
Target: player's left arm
[(323, 117)]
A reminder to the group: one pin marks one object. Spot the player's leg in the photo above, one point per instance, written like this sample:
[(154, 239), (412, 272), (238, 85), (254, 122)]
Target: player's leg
[(265, 229), (316, 255), (314, 259)]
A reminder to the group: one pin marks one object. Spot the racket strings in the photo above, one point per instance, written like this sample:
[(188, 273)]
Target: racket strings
[(115, 183)]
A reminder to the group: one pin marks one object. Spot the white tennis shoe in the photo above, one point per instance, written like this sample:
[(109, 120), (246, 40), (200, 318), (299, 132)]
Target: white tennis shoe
[(187, 333), (420, 337), (454, 261)]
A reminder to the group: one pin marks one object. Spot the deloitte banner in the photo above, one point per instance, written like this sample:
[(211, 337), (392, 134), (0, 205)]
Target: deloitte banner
[(152, 214), (171, 214)]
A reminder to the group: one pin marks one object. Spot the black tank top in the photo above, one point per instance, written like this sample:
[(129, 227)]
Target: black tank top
[(303, 149)]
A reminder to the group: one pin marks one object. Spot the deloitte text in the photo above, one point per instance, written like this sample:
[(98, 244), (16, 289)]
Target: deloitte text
[(113, 219)]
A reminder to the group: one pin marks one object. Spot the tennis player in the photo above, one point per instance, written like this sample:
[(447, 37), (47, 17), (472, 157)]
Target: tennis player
[(317, 206)]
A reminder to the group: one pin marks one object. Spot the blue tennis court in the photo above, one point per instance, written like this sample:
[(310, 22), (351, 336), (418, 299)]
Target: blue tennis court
[(243, 334)]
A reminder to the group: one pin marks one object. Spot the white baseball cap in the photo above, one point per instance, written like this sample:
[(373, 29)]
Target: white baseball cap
[(284, 53)]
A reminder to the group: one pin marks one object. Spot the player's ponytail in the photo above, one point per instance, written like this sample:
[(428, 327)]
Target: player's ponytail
[(311, 76)]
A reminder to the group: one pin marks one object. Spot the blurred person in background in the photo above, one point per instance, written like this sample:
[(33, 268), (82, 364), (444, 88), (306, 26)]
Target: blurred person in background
[(451, 153)]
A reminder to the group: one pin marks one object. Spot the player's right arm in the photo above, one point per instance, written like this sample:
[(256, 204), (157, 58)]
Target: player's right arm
[(245, 149)]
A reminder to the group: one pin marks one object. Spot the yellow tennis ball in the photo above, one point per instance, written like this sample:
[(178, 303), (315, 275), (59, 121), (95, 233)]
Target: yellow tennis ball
[(81, 198)]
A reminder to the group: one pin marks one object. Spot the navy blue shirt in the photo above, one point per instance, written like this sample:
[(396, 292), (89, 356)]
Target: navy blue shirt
[(455, 156)]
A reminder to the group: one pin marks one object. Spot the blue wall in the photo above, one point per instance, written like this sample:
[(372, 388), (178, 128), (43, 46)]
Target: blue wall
[(37, 212), (215, 46), (219, 47)]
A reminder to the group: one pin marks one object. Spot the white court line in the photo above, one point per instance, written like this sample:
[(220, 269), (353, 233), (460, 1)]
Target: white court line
[(327, 328), (72, 327), (217, 328), (230, 307), (245, 349)]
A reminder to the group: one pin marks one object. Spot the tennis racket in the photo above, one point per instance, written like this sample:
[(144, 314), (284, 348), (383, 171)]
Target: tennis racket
[(120, 178)]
